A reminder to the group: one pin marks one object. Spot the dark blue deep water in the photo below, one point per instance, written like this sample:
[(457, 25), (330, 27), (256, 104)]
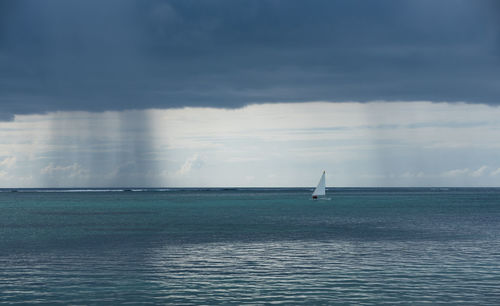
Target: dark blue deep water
[(363, 246)]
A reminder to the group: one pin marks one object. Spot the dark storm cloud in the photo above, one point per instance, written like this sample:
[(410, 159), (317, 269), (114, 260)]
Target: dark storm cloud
[(114, 55)]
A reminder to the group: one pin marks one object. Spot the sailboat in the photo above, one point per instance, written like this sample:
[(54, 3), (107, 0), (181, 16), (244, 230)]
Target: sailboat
[(320, 189)]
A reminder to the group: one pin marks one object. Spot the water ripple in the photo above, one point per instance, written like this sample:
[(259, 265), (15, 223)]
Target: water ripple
[(254, 249)]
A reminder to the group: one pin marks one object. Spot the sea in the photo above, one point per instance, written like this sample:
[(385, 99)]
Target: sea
[(358, 246)]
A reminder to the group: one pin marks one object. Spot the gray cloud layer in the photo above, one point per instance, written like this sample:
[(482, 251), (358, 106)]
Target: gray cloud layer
[(113, 55)]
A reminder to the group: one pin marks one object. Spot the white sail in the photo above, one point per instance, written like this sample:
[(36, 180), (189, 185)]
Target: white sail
[(320, 189)]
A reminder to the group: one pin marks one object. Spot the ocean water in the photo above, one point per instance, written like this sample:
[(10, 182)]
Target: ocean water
[(250, 246)]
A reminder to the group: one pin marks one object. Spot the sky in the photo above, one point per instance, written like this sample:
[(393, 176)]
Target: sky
[(249, 93)]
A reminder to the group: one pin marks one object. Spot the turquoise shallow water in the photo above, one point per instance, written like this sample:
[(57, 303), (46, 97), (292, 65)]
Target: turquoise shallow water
[(364, 246)]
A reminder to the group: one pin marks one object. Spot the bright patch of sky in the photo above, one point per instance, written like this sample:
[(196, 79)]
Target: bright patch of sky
[(358, 144)]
